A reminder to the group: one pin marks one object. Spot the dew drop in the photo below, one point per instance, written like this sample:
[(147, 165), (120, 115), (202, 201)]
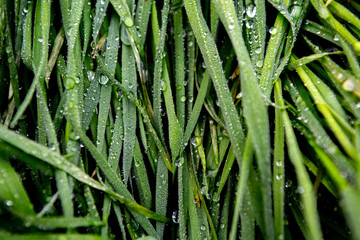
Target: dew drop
[(273, 31), (9, 203), (103, 79), (69, 83), (251, 11), (348, 85)]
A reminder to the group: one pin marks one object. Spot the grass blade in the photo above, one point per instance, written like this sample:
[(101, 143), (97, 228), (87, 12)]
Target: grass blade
[(256, 118)]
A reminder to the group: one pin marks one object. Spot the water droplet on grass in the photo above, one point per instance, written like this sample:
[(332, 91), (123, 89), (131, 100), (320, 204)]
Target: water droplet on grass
[(273, 31), (251, 11), (69, 83), (103, 79)]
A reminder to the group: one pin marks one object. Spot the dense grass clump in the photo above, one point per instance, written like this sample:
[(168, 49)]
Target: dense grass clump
[(179, 119)]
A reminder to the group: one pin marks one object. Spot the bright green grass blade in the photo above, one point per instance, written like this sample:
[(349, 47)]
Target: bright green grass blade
[(343, 13), (349, 194), (325, 14), (26, 53), (100, 13), (324, 109), (142, 177), (179, 64), (129, 109), (199, 146), (308, 59), (305, 188), (278, 168), (12, 192), (49, 223), (256, 118), (339, 77), (321, 137), (39, 151), (329, 96), (49, 236), (212, 60)]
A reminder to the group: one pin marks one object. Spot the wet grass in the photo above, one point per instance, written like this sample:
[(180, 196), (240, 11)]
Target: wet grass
[(179, 119)]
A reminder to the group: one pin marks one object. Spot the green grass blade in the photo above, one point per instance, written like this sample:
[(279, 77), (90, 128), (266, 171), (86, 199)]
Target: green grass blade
[(161, 194), (183, 197), (26, 53), (162, 83), (343, 13), (143, 10), (53, 158), (41, 38), (129, 109), (325, 14), (278, 168), (241, 185), (351, 57), (49, 223), (321, 105), (142, 177), (308, 59), (212, 60), (100, 13), (86, 26), (305, 186), (106, 88), (162, 150), (49, 236), (179, 65), (256, 118), (194, 227), (225, 212), (12, 191)]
